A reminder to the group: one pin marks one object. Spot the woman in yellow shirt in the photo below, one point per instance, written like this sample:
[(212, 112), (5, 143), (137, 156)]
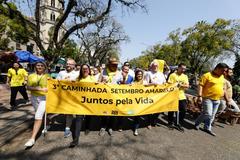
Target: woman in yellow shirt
[(37, 84), (17, 79), (84, 76), (137, 81)]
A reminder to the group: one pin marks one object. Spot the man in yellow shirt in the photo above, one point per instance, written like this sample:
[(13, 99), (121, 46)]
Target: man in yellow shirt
[(181, 80), (17, 79), (210, 91), (108, 75)]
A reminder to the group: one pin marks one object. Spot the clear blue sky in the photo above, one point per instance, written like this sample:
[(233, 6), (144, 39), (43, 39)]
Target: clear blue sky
[(164, 16)]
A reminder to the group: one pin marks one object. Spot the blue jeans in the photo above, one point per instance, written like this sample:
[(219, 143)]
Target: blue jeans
[(210, 108)]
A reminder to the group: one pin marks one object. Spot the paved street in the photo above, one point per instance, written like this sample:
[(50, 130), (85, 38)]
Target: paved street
[(159, 143)]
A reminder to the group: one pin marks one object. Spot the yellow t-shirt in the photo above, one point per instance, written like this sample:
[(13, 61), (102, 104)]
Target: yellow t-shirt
[(35, 80), (212, 86), (182, 79), (88, 79), (17, 77), (161, 64), (107, 76)]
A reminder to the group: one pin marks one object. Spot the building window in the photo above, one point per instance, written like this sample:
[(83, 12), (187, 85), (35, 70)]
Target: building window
[(30, 47), (43, 15), (53, 3), (52, 16), (18, 46)]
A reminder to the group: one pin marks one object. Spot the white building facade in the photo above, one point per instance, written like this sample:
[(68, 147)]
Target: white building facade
[(50, 10)]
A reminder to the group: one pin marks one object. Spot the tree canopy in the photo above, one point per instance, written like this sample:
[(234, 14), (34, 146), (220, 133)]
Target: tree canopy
[(77, 14), (196, 46)]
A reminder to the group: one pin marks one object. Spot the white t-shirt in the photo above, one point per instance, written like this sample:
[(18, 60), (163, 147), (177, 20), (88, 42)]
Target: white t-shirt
[(131, 72), (155, 78), (71, 76)]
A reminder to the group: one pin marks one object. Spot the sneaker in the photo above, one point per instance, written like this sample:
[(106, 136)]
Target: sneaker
[(179, 128), (170, 126), (102, 132), (110, 131), (154, 124), (13, 107), (196, 127), (158, 125), (210, 132), (226, 122), (149, 127), (135, 133), (73, 144), (44, 131), (67, 133), (27, 102), (29, 143)]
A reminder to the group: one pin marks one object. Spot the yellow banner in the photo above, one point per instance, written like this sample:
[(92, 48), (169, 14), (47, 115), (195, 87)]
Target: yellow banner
[(65, 97)]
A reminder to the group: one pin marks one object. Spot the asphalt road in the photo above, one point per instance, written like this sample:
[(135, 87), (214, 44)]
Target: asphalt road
[(160, 143)]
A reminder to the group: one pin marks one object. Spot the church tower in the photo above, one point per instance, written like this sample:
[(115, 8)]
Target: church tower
[(49, 11)]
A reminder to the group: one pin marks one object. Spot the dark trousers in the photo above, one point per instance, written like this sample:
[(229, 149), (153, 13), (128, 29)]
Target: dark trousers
[(14, 91), (87, 122), (76, 128), (182, 112), (107, 122), (152, 119), (136, 122), (120, 120)]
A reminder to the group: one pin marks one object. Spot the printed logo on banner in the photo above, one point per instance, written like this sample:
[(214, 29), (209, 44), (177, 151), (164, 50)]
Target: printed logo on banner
[(105, 112), (114, 112)]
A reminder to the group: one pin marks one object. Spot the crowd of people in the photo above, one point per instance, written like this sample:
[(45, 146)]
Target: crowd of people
[(214, 93)]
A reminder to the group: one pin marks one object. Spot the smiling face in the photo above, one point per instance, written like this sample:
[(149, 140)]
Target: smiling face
[(40, 68), (139, 75), (85, 71), (70, 65)]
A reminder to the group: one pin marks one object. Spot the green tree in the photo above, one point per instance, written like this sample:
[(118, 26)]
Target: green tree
[(205, 42), (80, 14), (197, 46), (10, 30)]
